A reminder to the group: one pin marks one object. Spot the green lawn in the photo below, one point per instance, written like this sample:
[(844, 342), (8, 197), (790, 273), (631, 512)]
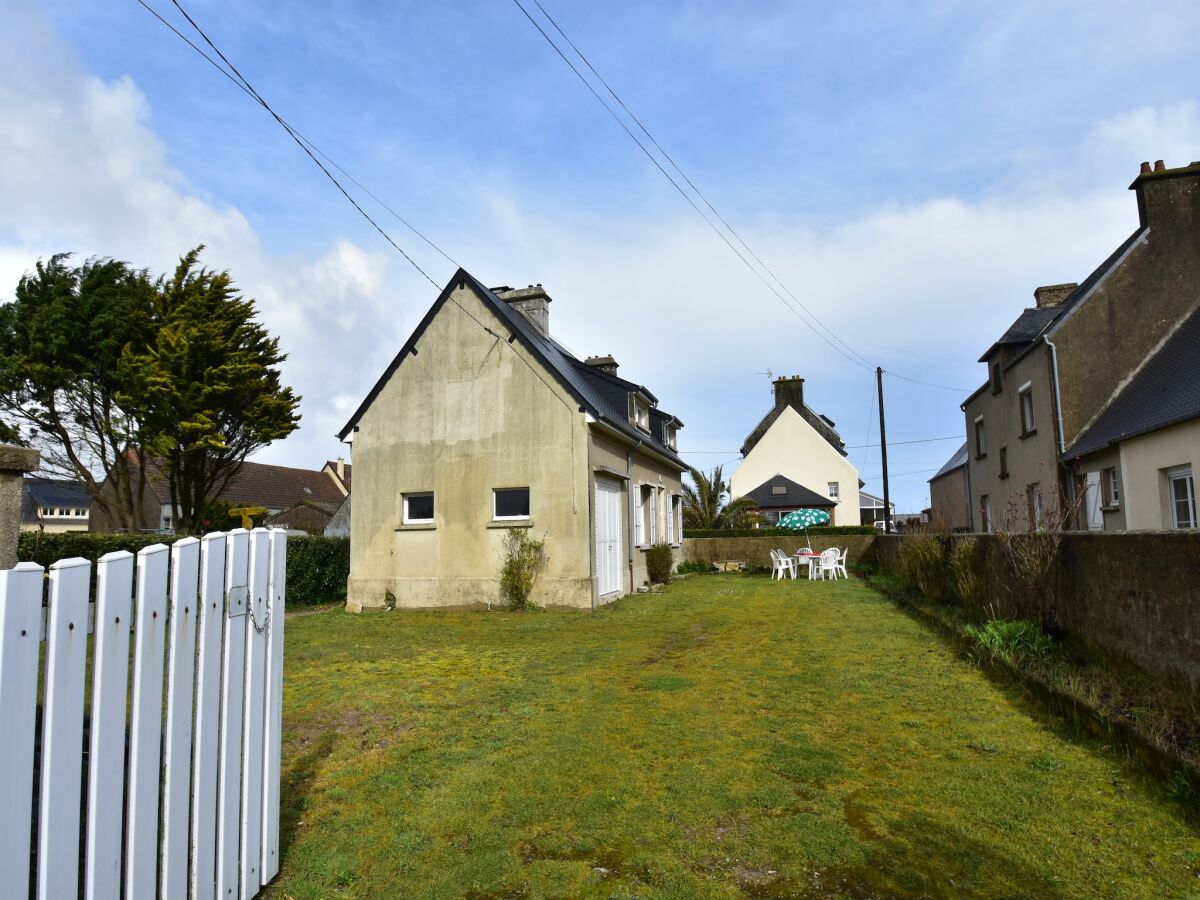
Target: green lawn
[(730, 737)]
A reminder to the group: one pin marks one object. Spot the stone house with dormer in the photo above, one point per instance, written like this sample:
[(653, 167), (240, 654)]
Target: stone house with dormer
[(1064, 382), (483, 422)]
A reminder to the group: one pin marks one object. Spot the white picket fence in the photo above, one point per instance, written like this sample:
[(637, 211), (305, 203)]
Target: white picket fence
[(179, 799)]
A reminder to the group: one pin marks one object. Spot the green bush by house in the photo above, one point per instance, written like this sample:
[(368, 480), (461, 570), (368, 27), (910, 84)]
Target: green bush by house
[(317, 567)]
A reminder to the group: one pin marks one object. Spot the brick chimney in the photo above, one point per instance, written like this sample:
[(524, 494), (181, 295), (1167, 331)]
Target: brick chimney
[(532, 302), (789, 391), (603, 363), (1052, 294), (1169, 198)]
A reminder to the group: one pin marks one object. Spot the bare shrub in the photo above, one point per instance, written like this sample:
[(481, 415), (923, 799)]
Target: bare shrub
[(923, 564), (524, 558), (1032, 552), (965, 579)]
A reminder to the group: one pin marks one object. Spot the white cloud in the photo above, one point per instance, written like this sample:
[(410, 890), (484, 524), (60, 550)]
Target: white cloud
[(922, 288)]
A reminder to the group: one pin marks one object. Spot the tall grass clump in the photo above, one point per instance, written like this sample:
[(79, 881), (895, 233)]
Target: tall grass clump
[(923, 564)]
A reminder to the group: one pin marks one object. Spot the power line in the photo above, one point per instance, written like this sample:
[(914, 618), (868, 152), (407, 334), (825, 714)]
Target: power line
[(681, 191), (249, 89), (953, 437), (856, 357)]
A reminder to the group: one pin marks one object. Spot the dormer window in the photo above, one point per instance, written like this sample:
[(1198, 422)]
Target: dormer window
[(641, 414), (669, 435)]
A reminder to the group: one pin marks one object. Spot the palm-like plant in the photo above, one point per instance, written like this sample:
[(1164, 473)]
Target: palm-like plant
[(706, 503)]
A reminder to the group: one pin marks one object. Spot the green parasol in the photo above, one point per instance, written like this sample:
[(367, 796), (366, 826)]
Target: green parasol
[(802, 518)]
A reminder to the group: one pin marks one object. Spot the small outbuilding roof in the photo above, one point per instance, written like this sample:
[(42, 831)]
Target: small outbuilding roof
[(793, 496), (957, 461)]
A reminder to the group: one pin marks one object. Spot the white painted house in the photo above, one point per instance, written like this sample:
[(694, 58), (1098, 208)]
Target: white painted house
[(799, 444)]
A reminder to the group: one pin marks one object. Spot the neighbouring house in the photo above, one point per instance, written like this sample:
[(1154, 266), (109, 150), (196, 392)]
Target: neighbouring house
[(275, 488), (339, 471), (1137, 459), (870, 509), (795, 443), (307, 516), (950, 494), (482, 423), (1067, 359), (779, 496), (54, 505), (339, 523)]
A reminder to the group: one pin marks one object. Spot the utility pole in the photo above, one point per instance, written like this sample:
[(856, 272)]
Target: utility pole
[(887, 500)]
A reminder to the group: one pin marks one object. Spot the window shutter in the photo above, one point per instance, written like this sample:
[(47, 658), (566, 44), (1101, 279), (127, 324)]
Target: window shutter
[(670, 511), (653, 515), (637, 519)]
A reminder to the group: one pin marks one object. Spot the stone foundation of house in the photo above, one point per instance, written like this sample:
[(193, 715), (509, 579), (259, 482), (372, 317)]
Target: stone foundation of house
[(426, 593)]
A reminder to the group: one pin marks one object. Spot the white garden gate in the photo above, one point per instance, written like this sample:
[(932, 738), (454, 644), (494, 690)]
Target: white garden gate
[(179, 798)]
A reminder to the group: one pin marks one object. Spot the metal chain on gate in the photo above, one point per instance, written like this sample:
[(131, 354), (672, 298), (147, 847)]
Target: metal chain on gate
[(261, 629)]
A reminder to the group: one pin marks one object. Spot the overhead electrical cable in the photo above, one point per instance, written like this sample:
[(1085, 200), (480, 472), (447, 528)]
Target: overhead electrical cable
[(854, 355), (249, 89), (650, 156)]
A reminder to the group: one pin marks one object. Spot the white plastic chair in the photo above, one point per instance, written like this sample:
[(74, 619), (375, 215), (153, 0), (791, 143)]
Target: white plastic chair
[(798, 560), (827, 564), (841, 563), (782, 564)]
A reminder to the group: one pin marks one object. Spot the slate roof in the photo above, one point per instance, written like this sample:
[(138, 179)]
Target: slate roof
[(823, 425), (259, 484), (957, 461), (603, 395), (332, 466), (1165, 392), (797, 496), (52, 493)]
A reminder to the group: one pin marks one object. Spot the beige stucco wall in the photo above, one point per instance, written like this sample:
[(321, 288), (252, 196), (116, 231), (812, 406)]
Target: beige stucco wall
[(1031, 459), (466, 414), (609, 455), (794, 449), (1143, 460)]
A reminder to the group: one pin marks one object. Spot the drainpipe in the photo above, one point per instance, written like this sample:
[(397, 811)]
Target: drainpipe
[(970, 509), (1062, 448), (629, 523)]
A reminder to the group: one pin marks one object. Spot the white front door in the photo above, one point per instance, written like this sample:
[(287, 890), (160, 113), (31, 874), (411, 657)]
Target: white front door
[(608, 535), (1091, 501)]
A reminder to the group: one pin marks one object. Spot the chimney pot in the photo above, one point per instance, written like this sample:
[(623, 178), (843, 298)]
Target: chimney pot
[(1159, 166), (603, 363), (1052, 294), (789, 391), (341, 468), (1145, 168), (531, 302)]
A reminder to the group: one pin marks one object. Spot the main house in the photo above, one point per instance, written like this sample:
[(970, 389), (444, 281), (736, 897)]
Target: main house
[(482, 423), (1042, 430), (795, 459)]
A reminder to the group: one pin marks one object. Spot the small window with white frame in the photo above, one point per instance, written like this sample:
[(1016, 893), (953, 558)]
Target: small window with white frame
[(641, 412), (835, 489), (669, 435), (418, 508), (1181, 494), (1028, 421), (510, 504)]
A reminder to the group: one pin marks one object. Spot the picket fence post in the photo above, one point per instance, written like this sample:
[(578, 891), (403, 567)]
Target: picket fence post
[(200, 718)]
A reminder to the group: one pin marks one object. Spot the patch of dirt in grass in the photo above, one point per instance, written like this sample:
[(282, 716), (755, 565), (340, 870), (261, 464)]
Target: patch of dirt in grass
[(677, 643)]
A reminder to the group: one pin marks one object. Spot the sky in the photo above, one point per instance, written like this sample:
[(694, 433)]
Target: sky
[(911, 172)]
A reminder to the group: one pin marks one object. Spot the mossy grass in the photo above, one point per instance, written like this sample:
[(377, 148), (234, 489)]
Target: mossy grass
[(730, 736)]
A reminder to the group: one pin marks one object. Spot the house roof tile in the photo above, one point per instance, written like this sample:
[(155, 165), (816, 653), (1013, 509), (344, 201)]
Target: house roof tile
[(796, 496)]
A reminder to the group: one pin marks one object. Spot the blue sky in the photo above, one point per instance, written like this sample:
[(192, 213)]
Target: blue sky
[(912, 171)]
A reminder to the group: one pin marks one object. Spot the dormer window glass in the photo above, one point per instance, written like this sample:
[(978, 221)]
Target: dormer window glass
[(669, 435), (641, 414)]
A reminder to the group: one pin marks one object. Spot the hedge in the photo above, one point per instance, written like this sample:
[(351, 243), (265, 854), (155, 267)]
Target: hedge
[(317, 567), (814, 531)]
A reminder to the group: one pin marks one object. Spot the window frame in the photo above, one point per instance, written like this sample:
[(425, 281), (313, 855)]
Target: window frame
[(997, 379), (1111, 488), (496, 517), (1004, 461), (406, 519), (1181, 475), (980, 438), (985, 512), (834, 490), (1024, 396)]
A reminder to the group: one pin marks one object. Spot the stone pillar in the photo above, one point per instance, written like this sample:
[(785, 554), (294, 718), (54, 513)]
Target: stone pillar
[(14, 463)]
